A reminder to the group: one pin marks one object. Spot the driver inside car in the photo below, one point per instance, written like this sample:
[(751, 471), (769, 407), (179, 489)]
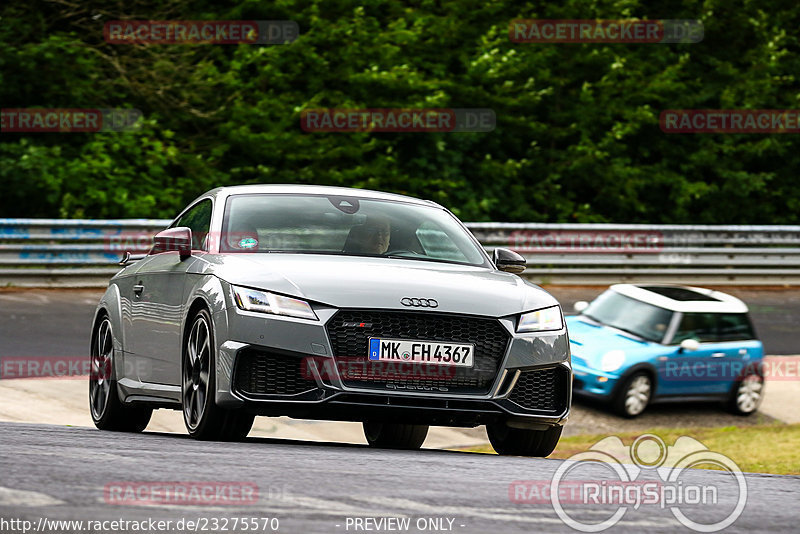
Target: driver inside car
[(370, 237)]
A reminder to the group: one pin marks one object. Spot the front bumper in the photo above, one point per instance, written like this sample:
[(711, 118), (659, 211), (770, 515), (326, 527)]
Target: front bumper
[(531, 386), (592, 382)]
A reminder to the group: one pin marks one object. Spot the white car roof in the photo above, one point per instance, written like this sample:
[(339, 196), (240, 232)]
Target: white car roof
[(315, 190), (707, 301)]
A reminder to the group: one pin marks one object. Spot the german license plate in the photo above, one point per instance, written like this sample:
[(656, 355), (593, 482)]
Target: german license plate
[(402, 350)]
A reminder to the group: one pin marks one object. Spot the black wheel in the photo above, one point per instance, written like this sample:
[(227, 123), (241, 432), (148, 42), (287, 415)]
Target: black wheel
[(108, 412), (634, 395), (203, 418), (746, 394), (395, 435), (509, 441)]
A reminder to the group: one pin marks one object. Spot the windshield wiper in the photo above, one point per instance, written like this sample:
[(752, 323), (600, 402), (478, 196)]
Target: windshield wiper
[(434, 260), (631, 332), (595, 319)]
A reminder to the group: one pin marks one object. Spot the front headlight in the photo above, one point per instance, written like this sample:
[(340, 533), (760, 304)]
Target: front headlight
[(540, 320), (265, 302), (612, 360)]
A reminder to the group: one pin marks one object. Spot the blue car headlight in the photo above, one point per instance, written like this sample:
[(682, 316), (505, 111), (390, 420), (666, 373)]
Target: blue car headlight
[(612, 360), (541, 320), (266, 302)]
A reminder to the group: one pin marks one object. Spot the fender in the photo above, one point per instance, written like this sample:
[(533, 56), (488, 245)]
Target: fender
[(208, 289), (111, 304), (643, 366), (211, 291)]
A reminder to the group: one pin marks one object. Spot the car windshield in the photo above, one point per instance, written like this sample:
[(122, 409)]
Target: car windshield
[(342, 225), (631, 315)]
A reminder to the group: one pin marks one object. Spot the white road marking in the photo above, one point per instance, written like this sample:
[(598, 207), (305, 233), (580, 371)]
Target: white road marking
[(17, 497)]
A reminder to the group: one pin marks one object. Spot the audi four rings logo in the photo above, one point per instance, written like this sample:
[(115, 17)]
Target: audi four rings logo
[(419, 303)]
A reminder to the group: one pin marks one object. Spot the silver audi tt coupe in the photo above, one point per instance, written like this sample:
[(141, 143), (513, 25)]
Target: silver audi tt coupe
[(330, 303)]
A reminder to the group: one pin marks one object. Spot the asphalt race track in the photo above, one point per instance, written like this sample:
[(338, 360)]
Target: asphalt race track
[(56, 472), (63, 473)]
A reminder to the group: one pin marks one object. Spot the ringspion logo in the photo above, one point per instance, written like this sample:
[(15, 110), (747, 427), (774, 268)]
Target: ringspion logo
[(647, 473)]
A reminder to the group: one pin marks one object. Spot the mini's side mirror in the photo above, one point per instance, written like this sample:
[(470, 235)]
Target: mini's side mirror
[(174, 239), (508, 261), (580, 306), (690, 345)]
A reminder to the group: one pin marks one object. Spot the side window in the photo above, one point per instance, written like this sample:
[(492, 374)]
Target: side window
[(735, 327), (198, 218), (699, 326)]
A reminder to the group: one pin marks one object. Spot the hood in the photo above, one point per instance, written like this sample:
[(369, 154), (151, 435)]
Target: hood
[(354, 282), (589, 341)]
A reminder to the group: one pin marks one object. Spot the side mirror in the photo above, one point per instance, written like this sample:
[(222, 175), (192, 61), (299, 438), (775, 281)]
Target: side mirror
[(508, 261), (580, 306), (690, 345), (174, 239)]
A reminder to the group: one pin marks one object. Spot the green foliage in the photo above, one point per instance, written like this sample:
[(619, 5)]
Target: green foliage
[(577, 137)]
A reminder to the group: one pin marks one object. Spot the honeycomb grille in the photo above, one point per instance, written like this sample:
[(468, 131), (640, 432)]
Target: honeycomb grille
[(542, 390), (350, 343), (265, 373)]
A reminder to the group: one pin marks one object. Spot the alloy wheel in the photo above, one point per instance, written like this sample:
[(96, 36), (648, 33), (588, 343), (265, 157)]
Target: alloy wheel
[(100, 378), (638, 395), (196, 372), (748, 395)]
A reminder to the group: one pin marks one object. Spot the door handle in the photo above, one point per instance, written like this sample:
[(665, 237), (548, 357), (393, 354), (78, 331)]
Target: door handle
[(137, 290), (718, 355)]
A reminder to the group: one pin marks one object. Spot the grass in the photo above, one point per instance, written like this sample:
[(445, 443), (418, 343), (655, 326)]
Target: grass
[(756, 449)]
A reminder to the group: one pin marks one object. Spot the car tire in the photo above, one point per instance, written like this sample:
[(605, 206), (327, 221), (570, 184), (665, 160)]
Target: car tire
[(634, 395), (205, 420), (395, 435), (508, 441), (746, 394), (107, 410)]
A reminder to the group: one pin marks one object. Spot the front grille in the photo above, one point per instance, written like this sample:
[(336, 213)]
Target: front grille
[(542, 390), (350, 343), (265, 373)]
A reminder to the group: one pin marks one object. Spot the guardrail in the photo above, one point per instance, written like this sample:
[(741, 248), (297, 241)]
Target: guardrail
[(62, 253), (588, 254)]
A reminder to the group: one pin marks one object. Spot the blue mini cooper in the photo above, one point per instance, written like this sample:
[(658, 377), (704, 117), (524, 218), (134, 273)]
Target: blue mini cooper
[(639, 344)]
